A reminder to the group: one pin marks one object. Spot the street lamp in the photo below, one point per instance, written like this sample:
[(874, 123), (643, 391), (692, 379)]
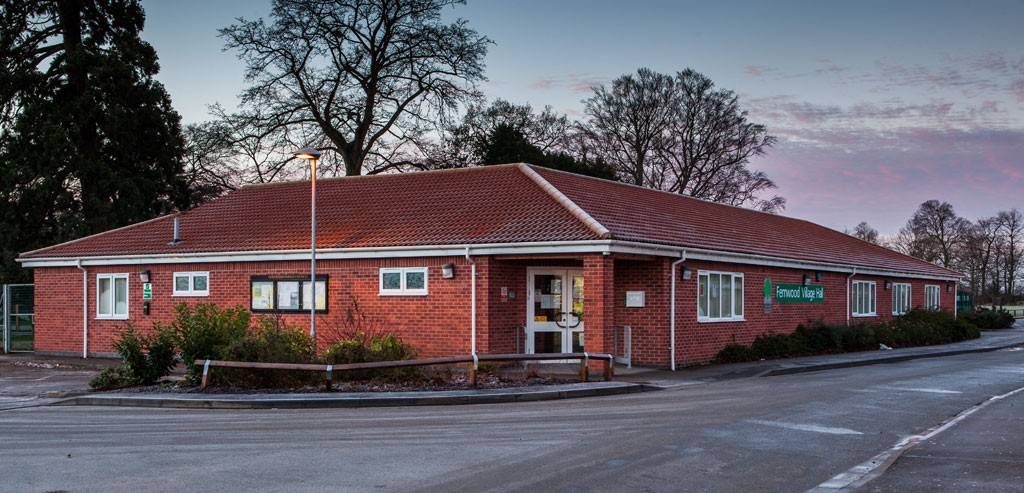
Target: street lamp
[(311, 154)]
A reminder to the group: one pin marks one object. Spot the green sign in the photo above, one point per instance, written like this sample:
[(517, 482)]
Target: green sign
[(799, 293), (147, 290)]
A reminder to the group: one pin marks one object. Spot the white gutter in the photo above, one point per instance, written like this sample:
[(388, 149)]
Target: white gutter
[(848, 278), (472, 310), (85, 309), (672, 309)]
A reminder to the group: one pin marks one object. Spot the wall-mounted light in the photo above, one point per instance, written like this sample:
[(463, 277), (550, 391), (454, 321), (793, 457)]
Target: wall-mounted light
[(817, 276), (807, 279), (448, 271), (949, 288), (888, 284), (144, 276), (687, 273)]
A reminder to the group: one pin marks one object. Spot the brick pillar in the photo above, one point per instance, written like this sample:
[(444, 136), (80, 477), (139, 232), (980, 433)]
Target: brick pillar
[(599, 304)]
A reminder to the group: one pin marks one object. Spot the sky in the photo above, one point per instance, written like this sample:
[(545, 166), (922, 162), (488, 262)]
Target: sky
[(878, 106)]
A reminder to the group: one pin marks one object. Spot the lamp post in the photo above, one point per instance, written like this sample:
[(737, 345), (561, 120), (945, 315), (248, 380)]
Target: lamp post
[(311, 154)]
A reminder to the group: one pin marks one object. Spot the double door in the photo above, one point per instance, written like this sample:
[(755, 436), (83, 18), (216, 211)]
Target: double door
[(554, 311)]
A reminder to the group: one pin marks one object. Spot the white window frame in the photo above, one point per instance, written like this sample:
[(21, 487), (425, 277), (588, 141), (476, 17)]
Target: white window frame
[(733, 317), (191, 291), (403, 290), (854, 301), (113, 297), (907, 300), (938, 297)]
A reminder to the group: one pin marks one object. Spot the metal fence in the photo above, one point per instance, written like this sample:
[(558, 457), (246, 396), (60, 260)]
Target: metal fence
[(18, 307)]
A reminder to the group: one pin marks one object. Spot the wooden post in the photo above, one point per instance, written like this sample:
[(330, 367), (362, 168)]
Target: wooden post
[(206, 375), (472, 374), (609, 370), (584, 369), (330, 376)]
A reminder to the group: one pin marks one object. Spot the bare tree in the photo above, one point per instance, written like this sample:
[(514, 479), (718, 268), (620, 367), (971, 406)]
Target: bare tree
[(865, 232), (1011, 228), (709, 144), (628, 123), (977, 254), (936, 232), (680, 134), (362, 78)]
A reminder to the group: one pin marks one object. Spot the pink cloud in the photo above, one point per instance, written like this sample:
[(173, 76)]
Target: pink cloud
[(757, 70)]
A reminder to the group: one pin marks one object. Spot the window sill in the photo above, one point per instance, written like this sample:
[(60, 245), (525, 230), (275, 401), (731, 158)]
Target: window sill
[(864, 315), (190, 295), (720, 320), (111, 317), (403, 293)]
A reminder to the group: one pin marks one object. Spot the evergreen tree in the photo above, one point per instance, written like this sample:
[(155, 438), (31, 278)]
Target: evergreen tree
[(88, 139)]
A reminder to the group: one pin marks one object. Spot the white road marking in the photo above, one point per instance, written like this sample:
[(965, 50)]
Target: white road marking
[(861, 474), (925, 390), (806, 427)]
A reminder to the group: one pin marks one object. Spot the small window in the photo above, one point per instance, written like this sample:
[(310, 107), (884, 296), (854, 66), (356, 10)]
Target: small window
[(931, 297), (862, 298), (719, 296), (900, 298), (403, 281), (191, 284), (286, 294), (112, 296)]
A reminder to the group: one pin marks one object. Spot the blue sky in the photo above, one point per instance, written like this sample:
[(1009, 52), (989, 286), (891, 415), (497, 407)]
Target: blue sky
[(878, 105)]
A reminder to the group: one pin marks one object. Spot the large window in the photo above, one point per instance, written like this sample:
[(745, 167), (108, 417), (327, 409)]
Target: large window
[(191, 284), (931, 297), (288, 294), (900, 298), (399, 281), (112, 296), (862, 298), (719, 296)]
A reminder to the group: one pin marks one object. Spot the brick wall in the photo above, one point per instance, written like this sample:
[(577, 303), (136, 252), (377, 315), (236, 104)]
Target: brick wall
[(439, 324)]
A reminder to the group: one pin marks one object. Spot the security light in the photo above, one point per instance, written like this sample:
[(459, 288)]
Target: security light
[(448, 271), (144, 276), (888, 284), (687, 273)]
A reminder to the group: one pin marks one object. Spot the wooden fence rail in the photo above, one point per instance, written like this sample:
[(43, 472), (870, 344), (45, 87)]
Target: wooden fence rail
[(584, 359)]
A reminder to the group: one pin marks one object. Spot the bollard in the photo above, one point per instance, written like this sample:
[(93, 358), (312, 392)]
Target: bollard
[(330, 376)]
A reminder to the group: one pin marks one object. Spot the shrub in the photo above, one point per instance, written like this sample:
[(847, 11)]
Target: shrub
[(915, 328), (204, 331), (989, 319), (144, 359), (361, 348), (736, 353), (270, 341)]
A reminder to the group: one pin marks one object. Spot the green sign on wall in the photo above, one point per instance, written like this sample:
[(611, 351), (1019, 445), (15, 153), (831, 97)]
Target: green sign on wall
[(798, 293), (147, 291)]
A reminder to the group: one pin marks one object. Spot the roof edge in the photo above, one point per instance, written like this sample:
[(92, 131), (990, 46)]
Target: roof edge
[(31, 253), (577, 211)]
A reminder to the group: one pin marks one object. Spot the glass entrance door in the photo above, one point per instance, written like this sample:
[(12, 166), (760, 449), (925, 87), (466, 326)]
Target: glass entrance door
[(554, 311)]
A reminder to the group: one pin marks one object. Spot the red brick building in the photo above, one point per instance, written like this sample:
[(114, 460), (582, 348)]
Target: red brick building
[(563, 263)]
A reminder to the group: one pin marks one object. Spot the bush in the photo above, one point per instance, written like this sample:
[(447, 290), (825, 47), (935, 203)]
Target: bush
[(270, 341), (989, 319), (915, 328), (204, 331), (361, 348), (144, 359)]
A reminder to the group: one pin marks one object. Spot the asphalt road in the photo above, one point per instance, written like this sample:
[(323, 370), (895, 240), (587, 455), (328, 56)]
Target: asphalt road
[(788, 433)]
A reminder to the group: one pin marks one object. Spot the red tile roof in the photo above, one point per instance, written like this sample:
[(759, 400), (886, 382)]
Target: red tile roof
[(494, 204)]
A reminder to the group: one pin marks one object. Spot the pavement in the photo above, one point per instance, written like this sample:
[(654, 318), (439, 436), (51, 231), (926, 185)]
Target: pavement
[(989, 341), (786, 433)]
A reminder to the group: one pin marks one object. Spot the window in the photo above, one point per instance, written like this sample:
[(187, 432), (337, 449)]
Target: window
[(191, 284), (719, 296), (931, 297), (862, 298), (112, 296), (289, 294), (900, 298), (403, 281)]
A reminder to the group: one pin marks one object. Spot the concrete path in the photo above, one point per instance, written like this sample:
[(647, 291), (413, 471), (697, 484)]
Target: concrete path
[(989, 341)]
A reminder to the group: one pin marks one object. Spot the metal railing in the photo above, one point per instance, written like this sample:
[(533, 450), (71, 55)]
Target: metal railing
[(622, 345), (472, 360)]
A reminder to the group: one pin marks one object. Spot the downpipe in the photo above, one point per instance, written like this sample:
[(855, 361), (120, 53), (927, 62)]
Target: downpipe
[(472, 310), (848, 278), (85, 309), (672, 308)]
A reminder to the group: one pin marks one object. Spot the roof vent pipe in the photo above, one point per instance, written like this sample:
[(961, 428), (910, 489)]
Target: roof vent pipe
[(177, 230)]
